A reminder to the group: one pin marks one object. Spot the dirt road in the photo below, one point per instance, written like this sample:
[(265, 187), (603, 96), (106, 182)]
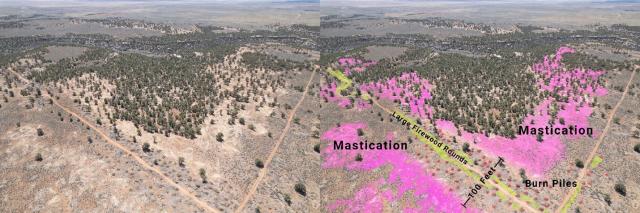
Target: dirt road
[(584, 170), (124, 149), (265, 169)]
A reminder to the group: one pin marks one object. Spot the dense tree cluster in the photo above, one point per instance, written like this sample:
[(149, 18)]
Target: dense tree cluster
[(486, 89), (173, 94), (130, 23), (11, 24), (618, 36), (332, 24), (582, 60), (635, 29), (439, 22), (255, 60), (483, 94), (479, 94)]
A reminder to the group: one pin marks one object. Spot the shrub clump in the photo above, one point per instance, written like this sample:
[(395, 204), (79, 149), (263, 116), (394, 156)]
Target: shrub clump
[(259, 163), (146, 147), (301, 189), (621, 189)]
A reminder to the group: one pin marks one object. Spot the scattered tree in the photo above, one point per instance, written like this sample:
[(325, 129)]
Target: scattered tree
[(203, 175), (219, 137), (465, 147), (359, 157), (301, 189), (607, 199), (146, 147), (181, 161), (287, 199), (523, 174), (259, 163), (621, 189)]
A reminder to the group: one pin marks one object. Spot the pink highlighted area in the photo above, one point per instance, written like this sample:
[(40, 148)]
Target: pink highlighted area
[(409, 89), (575, 90), (407, 175), (568, 103), (330, 94), (349, 65)]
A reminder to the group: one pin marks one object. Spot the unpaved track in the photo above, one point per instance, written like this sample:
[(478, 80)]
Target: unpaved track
[(584, 170), (264, 170), (133, 155), (504, 191)]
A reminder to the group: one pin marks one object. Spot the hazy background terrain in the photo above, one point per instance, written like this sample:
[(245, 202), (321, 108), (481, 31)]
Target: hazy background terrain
[(552, 13), (247, 14)]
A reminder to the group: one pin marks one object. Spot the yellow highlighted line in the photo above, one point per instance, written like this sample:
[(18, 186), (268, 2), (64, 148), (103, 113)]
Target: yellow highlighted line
[(595, 162), (345, 82), (473, 174), (431, 141), (572, 199)]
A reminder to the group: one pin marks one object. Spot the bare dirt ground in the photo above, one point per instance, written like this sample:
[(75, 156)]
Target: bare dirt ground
[(55, 53), (74, 173), (379, 52)]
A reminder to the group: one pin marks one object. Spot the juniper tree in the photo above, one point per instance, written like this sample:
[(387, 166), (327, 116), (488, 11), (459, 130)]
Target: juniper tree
[(259, 163), (301, 189), (219, 137), (358, 157), (181, 161), (621, 189), (203, 175), (146, 147)]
